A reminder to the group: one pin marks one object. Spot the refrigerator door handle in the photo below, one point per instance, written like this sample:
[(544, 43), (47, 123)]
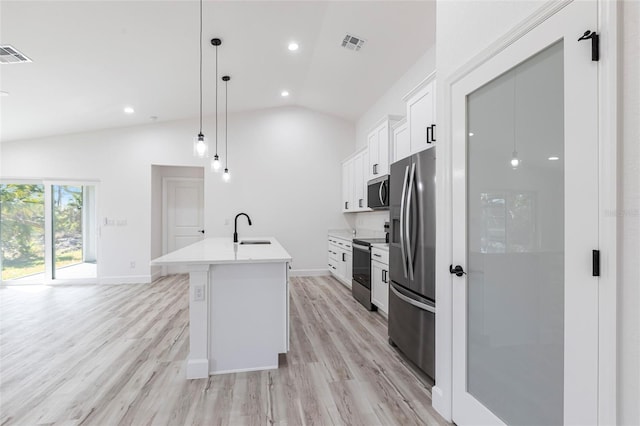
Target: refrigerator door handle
[(410, 301), (406, 220), (402, 228)]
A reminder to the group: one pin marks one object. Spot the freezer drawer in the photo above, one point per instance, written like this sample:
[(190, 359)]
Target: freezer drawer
[(413, 329)]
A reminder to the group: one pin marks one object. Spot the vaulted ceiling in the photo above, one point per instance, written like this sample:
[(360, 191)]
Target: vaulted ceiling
[(93, 58)]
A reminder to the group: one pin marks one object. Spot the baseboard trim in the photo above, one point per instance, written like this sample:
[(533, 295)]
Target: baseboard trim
[(197, 368), (308, 272), (125, 279)]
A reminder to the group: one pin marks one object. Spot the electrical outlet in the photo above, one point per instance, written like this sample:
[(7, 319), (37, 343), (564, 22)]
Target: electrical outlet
[(198, 293), (132, 264)]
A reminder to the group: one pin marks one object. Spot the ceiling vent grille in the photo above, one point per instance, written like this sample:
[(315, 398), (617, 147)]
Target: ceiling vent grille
[(10, 55), (352, 42)]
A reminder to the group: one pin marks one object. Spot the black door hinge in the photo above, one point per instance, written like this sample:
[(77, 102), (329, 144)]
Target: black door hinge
[(595, 44), (595, 260)]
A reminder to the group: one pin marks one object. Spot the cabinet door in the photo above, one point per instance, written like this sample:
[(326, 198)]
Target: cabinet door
[(348, 265), (420, 115), (380, 286), (401, 142), (383, 151), (374, 154), (360, 201), (348, 186)]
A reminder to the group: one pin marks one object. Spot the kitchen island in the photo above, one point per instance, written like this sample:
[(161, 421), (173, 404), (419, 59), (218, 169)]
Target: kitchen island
[(238, 304)]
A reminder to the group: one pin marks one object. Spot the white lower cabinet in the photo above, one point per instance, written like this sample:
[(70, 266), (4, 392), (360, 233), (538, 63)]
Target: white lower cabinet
[(340, 259), (380, 280)]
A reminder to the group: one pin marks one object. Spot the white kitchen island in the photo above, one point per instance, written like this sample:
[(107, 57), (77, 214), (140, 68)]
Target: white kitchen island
[(238, 304)]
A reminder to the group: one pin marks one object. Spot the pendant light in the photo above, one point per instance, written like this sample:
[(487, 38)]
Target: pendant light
[(515, 161), (226, 176), (200, 145), (215, 163)]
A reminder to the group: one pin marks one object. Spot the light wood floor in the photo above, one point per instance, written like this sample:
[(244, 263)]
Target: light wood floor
[(102, 355)]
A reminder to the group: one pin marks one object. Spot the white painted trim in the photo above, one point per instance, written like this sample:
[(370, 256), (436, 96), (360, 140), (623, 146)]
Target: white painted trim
[(308, 272), (197, 368), (125, 279), (428, 79), (386, 119), (245, 370), (608, 219), (608, 140)]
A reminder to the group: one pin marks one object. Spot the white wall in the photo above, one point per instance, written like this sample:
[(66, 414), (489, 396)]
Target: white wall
[(391, 101), (285, 166), (464, 29)]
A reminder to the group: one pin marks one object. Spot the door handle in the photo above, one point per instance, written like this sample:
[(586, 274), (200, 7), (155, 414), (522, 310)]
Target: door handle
[(201, 231), (360, 202), (380, 192), (385, 276), (458, 271), (402, 229), (375, 169), (407, 220), (343, 258)]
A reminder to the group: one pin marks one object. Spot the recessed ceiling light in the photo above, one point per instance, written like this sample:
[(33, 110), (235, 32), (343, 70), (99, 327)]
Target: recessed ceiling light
[(293, 46), (284, 93), (470, 133), (554, 158), (129, 110), (3, 93)]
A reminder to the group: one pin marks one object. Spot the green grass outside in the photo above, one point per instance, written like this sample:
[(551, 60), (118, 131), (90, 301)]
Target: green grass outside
[(19, 269)]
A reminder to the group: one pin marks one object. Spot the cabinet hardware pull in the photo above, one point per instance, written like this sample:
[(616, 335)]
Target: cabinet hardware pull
[(343, 259), (376, 255)]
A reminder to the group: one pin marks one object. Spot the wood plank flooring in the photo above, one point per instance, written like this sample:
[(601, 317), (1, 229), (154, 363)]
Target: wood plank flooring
[(107, 355)]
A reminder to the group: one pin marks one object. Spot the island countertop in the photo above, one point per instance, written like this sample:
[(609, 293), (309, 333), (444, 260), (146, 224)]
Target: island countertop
[(224, 251)]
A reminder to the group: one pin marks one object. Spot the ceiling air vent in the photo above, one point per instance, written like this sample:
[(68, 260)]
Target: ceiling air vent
[(352, 42), (10, 55)]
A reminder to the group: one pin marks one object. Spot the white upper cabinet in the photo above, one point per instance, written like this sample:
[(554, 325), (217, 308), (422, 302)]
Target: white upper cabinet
[(354, 182), (348, 186), (401, 141), (360, 180), (378, 143), (421, 119)]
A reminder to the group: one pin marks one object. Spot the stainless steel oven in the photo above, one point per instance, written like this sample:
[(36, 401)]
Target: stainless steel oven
[(361, 283)]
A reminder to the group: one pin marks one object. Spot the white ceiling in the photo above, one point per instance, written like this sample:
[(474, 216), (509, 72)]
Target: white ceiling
[(92, 58)]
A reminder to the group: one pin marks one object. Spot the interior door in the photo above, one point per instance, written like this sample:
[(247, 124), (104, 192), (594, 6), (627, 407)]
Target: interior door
[(185, 211), (525, 222)]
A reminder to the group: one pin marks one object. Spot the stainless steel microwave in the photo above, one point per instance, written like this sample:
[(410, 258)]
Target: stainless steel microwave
[(378, 193)]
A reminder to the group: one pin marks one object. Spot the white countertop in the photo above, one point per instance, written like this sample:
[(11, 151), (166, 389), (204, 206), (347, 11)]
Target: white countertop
[(225, 251), (381, 246)]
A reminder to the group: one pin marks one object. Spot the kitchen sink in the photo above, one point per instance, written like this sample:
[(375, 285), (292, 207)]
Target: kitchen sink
[(255, 242)]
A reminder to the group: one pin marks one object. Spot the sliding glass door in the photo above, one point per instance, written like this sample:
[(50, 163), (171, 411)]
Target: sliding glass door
[(48, 232), (22, 230)]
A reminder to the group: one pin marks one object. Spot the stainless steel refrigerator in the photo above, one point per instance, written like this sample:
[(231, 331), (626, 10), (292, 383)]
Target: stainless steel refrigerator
[(412, 291)]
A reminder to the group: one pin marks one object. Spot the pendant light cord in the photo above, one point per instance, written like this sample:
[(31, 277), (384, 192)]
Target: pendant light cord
[(515, 75), (226, 125), (200, 66), (216, 101)]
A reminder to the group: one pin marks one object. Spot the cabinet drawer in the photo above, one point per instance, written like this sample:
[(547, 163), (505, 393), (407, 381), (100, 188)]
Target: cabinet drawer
[(380, 255)]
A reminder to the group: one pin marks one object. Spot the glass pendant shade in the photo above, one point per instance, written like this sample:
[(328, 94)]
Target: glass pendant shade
[(515, 162), (215, 163), (226, 176), (200, 146)]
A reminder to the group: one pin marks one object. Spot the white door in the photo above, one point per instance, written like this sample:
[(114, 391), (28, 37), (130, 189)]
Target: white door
[(525, 223), (184, 214)]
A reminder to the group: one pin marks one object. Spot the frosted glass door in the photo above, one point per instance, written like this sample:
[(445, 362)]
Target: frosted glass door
[(525, 224), (515, 228)]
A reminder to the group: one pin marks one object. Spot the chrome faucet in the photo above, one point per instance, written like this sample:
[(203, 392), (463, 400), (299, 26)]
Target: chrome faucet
[(235, 225)]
